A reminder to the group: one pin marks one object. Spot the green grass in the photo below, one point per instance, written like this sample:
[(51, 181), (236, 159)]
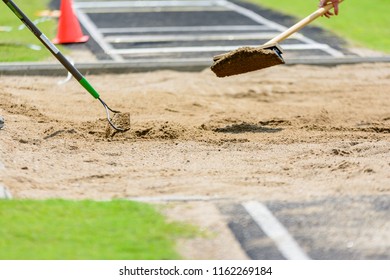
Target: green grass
[(80, 230), (364, 23), (13, 45)]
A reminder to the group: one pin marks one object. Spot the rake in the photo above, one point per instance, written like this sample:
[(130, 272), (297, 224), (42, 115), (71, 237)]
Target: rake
[(66, 63)]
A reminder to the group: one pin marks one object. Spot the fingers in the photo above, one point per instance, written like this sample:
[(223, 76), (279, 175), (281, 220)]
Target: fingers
[(336, 6), (321, 4), (328, 14)]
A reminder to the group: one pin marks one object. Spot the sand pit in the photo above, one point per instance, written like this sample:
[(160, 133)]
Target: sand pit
[(286, 132), (310, 130)]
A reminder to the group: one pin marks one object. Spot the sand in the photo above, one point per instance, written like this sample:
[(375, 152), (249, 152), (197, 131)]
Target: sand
[(285, 132)]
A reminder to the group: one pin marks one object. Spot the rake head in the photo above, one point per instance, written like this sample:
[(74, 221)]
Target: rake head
[(122, 120)]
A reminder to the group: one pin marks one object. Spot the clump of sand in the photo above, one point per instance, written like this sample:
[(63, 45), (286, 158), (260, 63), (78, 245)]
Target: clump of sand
[(245, 59), (122, 124)]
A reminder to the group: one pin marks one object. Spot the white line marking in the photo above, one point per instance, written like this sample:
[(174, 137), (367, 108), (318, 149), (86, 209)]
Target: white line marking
[(333, 52), (314, 46), (210, 49), (176, 38), (184, 29), (125, 4), (254, 16), (171, 50), (155, 62), (175, 198), (275, 230), (153, 10), (5, 28), (97, 36)]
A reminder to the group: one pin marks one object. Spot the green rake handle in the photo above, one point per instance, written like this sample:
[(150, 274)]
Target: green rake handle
[(52, 48)]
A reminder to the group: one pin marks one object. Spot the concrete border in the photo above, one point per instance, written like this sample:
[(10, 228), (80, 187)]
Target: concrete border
[(108, 66)]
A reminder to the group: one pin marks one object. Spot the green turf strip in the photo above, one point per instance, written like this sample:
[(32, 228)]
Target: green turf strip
[(80, 230), (364, 23)]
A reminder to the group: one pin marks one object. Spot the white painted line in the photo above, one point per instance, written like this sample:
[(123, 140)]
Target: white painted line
[(169, 59), (171, 50), (273, 25), (143, 61), (275, 230), (174, 198), (298, 47), (209, 49), (176, 38), (4, 193), (125, 4), (184, 29), (333, 52), (97, 36), (6, 28), (254, 16), (153, 10)]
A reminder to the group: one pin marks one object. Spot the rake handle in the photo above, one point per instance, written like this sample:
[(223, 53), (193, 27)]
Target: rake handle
[(299, 25), (52, 48)]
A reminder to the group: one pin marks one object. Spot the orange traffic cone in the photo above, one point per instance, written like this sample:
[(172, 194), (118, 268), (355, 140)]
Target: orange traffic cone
[(69, 30)]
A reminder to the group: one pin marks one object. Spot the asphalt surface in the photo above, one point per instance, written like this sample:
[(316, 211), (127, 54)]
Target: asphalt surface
[(192, 31), (326, 229)]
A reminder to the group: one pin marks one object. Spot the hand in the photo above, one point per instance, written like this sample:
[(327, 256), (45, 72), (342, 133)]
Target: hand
[(335, 3)]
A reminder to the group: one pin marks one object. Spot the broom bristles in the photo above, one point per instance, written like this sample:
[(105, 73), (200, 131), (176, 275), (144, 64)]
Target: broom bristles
[(246, 59)]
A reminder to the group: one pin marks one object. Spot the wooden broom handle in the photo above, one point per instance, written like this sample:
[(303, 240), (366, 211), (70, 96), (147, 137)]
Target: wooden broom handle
[(298, 26)]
